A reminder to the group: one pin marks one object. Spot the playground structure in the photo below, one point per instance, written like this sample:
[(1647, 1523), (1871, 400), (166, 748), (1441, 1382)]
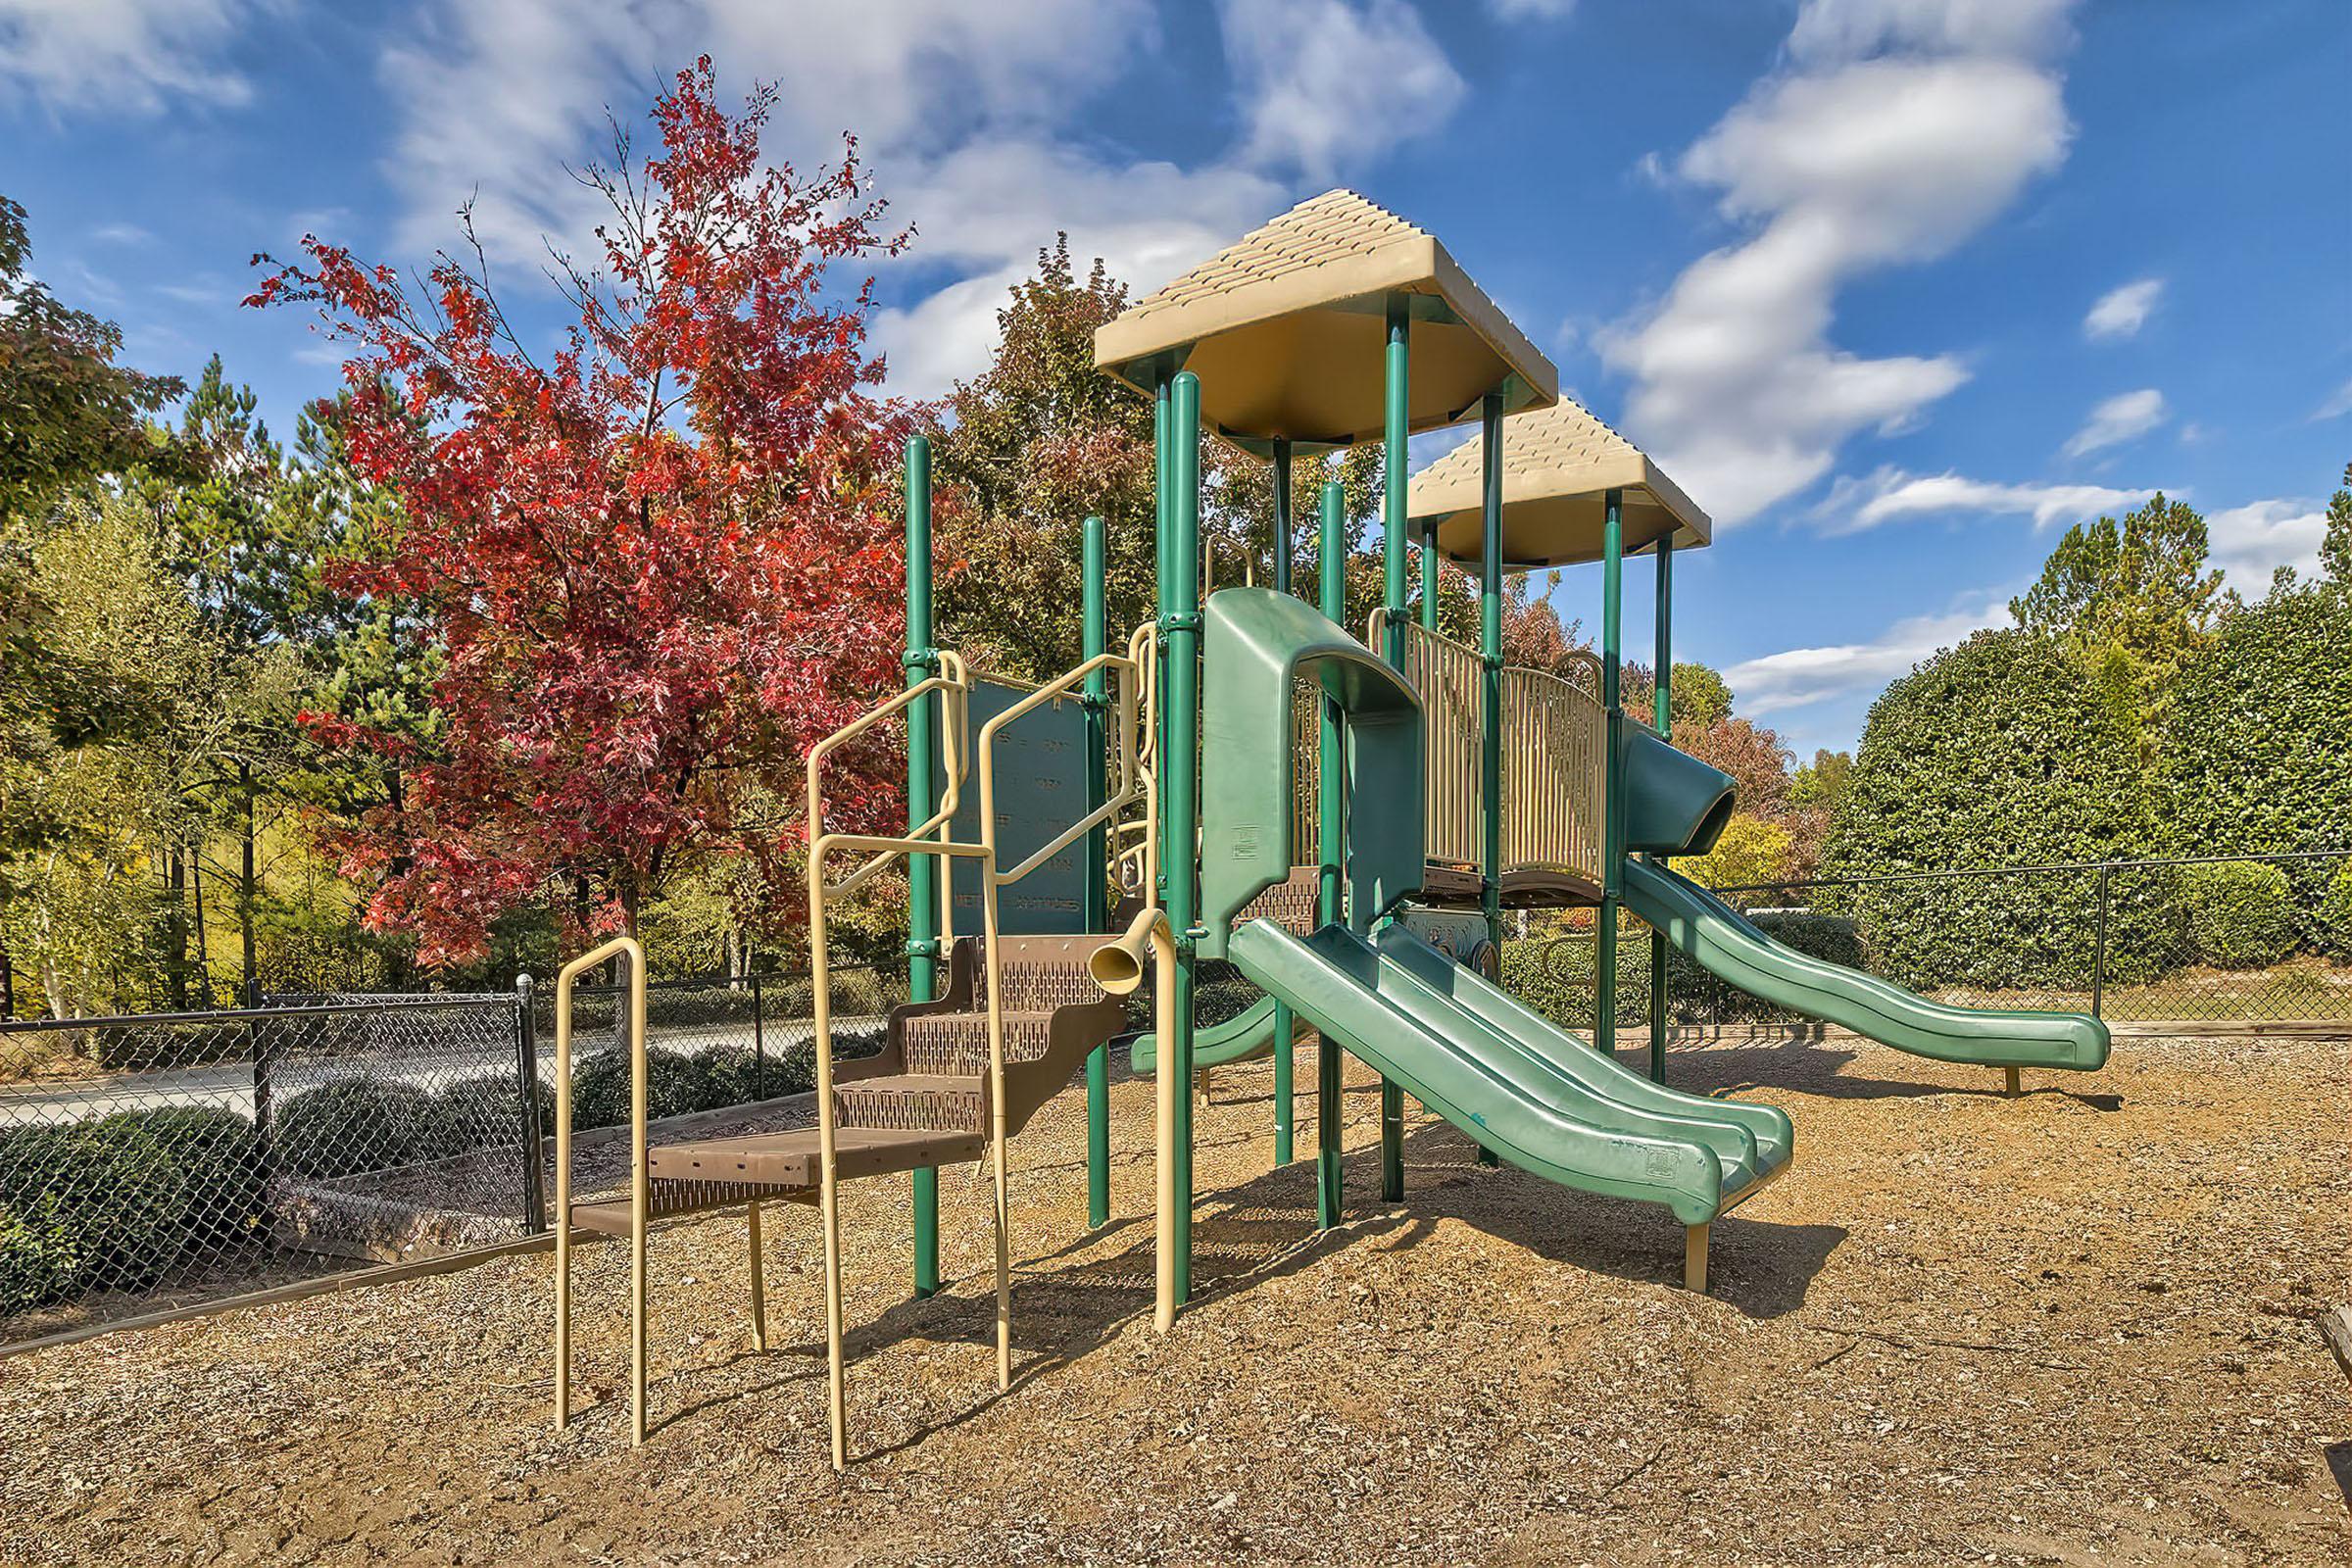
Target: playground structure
[(1176, 771)]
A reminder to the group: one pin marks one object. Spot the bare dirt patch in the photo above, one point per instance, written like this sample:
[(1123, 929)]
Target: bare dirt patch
[(2075, 1328)]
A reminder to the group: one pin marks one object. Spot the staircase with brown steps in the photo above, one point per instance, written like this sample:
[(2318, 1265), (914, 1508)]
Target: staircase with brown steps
[(921, 1100)]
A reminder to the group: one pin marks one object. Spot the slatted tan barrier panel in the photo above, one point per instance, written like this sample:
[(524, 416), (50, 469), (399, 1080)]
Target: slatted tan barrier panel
[(1554, 739)]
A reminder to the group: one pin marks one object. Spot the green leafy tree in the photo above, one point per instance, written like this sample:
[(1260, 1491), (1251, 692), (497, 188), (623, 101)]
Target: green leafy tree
[(2135, 601)]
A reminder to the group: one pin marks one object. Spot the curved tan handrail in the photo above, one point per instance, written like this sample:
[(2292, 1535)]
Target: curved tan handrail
[(1125, 748), (640, 1184)]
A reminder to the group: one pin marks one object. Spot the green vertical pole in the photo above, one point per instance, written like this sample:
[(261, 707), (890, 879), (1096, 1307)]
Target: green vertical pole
[(1285, 1095), (1396, 413), (1179, 777), (1429, 575), (1613, 831), (1329, 827), (1662, 712), (922, 871), (1161, 573), (1490, 659), (1094, 611)]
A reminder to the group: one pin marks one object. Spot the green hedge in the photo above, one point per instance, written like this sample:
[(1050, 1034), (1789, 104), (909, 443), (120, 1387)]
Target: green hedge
[(119, 1201), (356, 1124), (2333, 925), (2242, 913), (2002, 751)]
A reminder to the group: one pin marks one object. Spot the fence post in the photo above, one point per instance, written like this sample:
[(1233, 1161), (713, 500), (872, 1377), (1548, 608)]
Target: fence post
[(259, 1045), (2098, 962), (526, 1063), (759, 1044)]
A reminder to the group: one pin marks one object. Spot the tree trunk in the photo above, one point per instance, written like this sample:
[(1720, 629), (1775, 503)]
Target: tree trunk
[(7, 984), (175, 928), (245, 886), (204, 950)]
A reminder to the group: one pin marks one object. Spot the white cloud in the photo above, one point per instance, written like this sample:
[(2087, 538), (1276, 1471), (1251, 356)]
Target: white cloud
[(1798, 677), (2125, 417), (2336, 406), (995, 203), (2251, 540), (1325, 84), (1899, 129), (2121, 313), (124, 57), (1530, 9), (121, 234), (1892, 495)]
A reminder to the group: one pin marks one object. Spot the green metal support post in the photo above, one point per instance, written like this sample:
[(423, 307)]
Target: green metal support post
[(922, 871), (1662, 714), (1331, 591), (1612, 832), (1397, 413), (1094, 611), (1490, 659), (1160, 570), (1180, 776), (1284, 1096)]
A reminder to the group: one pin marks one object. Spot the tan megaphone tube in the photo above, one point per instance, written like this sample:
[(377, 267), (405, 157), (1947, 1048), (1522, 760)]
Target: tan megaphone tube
[(1118, 966)]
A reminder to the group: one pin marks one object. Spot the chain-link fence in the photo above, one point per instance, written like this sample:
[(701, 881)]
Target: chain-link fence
[(2219, 941), (179, 1155)]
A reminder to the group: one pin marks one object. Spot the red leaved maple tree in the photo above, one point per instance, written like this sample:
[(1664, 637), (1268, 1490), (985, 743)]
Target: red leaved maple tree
[(658, 561)]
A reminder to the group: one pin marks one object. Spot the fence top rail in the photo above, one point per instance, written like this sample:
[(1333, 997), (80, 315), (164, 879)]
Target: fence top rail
[(230, 1015), (2024, 870)]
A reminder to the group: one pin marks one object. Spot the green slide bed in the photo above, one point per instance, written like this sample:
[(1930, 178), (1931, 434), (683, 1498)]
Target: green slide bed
[(1724, 942), (1538, 1097)]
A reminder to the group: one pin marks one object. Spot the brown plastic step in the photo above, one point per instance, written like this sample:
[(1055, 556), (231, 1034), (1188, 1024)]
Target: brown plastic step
[(790, 1159), (956, 1044), (669, 1199), (914, 1101)]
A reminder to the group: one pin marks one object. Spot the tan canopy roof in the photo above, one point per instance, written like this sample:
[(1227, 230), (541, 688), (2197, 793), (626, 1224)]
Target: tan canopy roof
[(1285, 329), (1557, 464)]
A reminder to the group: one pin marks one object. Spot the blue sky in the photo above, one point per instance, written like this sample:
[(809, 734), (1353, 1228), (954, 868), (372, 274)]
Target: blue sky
[(1896, 288)]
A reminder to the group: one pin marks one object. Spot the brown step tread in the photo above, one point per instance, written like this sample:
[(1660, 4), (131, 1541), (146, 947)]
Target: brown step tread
[(790, 1159), (909, 1101)]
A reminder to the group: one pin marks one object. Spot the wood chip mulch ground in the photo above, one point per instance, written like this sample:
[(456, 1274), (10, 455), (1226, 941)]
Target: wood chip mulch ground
[(2075, 1328)]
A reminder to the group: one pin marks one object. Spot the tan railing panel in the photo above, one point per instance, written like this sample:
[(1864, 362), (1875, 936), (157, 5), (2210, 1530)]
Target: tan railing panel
[(1555, 745)]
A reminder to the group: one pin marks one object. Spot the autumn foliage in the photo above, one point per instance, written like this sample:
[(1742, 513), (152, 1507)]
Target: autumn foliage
[(658, 560)]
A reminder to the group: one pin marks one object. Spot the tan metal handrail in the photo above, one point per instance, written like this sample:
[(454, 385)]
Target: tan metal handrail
[(1446, 674), (640, 1183), (1125, 748), (1134, 693)]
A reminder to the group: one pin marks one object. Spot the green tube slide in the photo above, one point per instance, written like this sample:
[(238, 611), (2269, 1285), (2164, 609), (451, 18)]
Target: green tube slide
[(1244, 1037), (1727, 943), (1537, 1097)]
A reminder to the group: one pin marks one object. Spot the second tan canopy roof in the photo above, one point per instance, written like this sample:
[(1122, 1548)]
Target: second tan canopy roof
[(1558, 464), (1286, 328)]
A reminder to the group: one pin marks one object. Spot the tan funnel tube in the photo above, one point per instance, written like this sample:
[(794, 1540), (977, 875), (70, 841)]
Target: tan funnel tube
[(1118, 968)]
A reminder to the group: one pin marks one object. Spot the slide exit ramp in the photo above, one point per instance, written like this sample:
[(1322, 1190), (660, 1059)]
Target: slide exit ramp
[(1727, 943)]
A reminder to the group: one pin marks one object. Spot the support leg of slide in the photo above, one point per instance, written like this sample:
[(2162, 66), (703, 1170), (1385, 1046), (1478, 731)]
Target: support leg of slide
[(1392, 1142), (1694, 1258), (759, 1286), (2009, 1083)]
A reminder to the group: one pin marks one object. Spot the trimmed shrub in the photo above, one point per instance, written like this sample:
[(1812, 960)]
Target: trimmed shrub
[(2333, 935), (481, 1112), (118, 1203), (360, 1124), (2242, 913)]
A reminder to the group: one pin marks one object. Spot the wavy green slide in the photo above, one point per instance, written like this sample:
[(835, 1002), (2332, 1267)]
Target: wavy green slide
[(1539, 1098), (1728, 944)]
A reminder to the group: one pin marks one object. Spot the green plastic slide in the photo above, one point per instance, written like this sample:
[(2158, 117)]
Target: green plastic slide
[(1244, 1037), (1539, 1098), (1727, 943)]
